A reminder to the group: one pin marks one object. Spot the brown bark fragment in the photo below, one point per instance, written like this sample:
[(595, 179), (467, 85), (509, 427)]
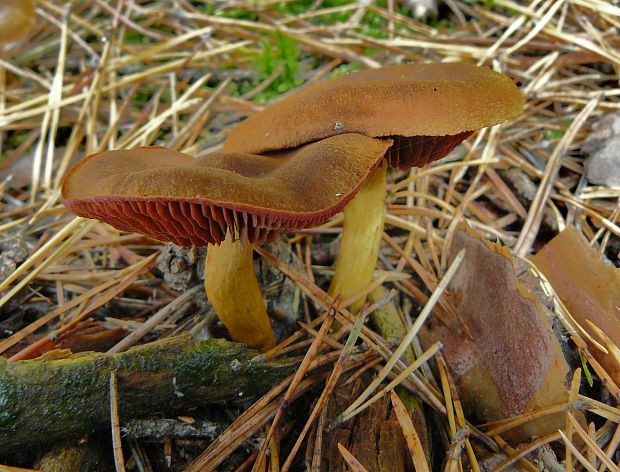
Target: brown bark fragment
[(513, 363), (374, 436)]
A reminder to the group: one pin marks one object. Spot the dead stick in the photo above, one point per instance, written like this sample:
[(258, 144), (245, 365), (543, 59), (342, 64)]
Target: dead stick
[(52, 397)]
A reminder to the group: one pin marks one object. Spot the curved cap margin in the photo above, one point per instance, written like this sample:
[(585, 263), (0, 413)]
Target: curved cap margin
[(175, 197)]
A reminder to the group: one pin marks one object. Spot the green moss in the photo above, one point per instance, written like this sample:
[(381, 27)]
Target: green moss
[(345, 69), (442, 23), (301, 7), (238, 13), (488, 4), (278, 52), (133, 38), (553, 134)]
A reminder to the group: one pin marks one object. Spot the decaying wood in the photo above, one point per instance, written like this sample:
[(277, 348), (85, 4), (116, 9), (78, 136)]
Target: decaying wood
[(391, 326), (374, 437), (60, 394), (158, 429)]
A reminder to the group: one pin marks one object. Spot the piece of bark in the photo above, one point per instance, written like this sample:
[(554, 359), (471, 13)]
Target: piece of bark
[(283, 297), (59, 394), (514, 362), (182, 267), (12, 253), (85, 336), (588, 286), (525, 190), (374, 436)]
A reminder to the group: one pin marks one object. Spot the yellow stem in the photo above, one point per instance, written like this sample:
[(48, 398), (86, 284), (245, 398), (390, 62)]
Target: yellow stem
[(361, 238), (233, 292)]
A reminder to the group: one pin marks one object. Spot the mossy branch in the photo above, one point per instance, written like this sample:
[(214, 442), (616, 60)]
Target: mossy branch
[(61, 394)]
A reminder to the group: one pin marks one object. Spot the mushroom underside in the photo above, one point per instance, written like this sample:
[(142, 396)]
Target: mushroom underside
[(200, 222), (417, 151), (171, 196), (195, 222)]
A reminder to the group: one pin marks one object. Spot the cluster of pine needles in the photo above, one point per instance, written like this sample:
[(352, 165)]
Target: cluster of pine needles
[(101, 75)]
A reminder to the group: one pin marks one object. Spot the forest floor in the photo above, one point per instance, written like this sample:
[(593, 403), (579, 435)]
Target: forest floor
[(99, 75)]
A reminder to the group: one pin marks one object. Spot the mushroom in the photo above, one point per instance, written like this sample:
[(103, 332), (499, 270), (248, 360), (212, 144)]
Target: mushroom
[(426, 109), (227, 201), (16, 19)]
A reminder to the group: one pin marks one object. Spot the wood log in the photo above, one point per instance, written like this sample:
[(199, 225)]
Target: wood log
[(60, 395)]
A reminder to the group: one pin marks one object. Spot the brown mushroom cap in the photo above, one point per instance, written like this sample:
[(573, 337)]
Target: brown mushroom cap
[(407, 100), (175, 197)]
